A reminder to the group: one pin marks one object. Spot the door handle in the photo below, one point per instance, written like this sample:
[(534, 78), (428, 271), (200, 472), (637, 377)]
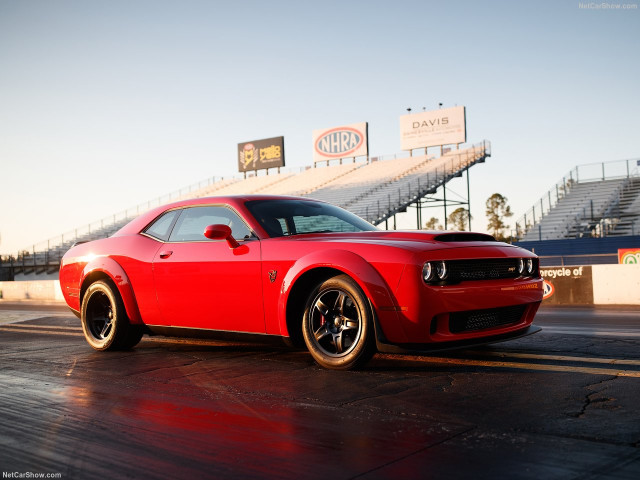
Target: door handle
[(166, 254)]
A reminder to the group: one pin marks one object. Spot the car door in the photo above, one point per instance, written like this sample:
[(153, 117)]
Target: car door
[(202, 283)]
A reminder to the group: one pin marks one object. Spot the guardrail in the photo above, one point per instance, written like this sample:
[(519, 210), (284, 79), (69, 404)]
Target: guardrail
[(584, 259)]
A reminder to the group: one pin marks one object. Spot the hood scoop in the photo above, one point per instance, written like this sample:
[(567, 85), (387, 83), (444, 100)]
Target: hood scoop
[(464, 237)]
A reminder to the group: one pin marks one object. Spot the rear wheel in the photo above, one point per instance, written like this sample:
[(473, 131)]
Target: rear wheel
[(104, 319), (337, 325)]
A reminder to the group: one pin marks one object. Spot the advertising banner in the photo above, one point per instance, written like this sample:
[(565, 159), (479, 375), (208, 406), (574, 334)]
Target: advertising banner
[(261, 154), (568, 285), (629, 256), (446, 126), (347, 141)]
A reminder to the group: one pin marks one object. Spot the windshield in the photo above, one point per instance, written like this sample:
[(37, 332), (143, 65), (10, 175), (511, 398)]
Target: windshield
[(294, 217)]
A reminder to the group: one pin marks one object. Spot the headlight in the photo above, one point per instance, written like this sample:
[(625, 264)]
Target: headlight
[(441, 270), (520, 266), (427, 272), (529, 266)]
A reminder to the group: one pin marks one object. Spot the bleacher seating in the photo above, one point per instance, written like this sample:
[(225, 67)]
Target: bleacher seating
[(211, 189), (310, 179), (592, 208), (425, 176), (252, 184), (345, 189)]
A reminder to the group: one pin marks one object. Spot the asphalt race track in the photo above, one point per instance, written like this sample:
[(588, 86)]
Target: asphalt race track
[(561, 404)]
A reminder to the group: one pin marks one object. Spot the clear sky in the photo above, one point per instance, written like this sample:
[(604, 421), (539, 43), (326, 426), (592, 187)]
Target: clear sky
[(107, 104)]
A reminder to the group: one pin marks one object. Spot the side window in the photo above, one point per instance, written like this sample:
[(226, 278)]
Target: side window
[(192, 222), (161, 226)]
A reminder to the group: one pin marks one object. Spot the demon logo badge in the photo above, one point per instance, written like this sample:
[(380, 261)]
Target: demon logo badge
[(272, 275)]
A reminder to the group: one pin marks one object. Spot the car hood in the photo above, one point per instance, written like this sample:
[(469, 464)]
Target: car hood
[(408, 240)]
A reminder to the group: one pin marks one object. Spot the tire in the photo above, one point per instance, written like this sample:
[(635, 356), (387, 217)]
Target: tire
[(134, 335), (104, 319), (337, 325)]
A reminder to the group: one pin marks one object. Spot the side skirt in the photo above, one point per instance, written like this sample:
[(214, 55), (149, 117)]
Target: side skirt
[(224, 335)]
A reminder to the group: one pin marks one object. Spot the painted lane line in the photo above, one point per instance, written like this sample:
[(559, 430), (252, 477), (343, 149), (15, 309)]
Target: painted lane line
[(52, 327), (627, 333), (449, 361), (8, 328), (560, 358), (8, 317), (534, 367)]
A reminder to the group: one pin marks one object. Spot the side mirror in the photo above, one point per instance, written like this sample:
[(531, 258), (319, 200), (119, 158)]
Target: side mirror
[(221, 232)]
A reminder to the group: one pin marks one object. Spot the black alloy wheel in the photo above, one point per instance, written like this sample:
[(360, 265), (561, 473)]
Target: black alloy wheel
[(104, 319), (337, 324)]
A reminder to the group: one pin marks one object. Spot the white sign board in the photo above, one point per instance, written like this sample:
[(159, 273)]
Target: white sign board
[(341, 142), (446, 126)]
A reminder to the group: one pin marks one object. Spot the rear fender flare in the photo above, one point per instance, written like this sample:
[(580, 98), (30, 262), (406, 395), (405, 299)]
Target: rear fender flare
[(101, 266)]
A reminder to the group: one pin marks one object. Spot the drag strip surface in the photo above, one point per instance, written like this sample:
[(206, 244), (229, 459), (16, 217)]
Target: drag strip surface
[(552, 405)]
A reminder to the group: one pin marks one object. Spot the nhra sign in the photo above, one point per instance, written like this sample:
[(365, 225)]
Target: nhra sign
[(437, 127), (341, 142), (261, 154), (629, 256)]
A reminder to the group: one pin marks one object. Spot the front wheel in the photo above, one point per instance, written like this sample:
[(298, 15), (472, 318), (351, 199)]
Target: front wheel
[(337, 325), (104, 319)]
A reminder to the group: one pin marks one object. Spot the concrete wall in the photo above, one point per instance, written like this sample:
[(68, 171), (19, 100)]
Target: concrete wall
[(36, 289), (616, 284), (21, 277), (592, 285), (611, 284)]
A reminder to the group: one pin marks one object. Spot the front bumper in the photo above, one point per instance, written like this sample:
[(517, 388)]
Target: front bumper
[(429, 314)]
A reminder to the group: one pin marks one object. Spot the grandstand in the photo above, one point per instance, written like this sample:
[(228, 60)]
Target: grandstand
[(584, 205), (375, 189)]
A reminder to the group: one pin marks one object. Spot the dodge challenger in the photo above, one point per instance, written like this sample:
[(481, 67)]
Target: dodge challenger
[(302, 271)]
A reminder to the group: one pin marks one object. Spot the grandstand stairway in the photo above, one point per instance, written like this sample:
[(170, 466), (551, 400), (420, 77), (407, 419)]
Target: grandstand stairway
[(624, 217)]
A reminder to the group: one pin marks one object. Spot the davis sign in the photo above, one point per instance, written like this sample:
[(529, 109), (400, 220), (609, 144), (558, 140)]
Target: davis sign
[(446, 126), (341, 142)]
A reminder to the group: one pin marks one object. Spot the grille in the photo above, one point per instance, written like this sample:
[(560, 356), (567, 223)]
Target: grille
[(490, 269), (481, 319)]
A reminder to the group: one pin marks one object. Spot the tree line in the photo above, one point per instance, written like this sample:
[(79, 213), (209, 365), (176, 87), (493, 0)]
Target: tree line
[(497, 211)]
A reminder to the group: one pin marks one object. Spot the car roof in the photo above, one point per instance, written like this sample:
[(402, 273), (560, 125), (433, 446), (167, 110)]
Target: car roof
[(235, 201)]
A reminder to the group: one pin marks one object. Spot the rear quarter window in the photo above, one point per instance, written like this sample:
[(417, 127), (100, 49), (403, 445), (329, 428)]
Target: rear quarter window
[(161, 226)]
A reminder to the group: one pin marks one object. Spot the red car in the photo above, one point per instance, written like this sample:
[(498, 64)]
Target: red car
[(300, 270)]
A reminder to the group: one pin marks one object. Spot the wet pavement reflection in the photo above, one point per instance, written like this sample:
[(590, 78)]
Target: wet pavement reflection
[(550, 405)]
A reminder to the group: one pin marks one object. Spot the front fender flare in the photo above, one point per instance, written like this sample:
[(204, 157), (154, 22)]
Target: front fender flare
[(361, 271), (112, 269)]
